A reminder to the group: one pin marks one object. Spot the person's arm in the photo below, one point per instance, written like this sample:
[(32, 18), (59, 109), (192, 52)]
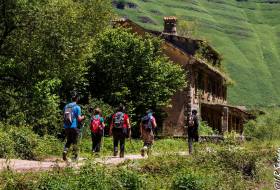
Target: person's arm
[(128, 123), (79, 113), (102, 124), (154, 122), (81, 118)]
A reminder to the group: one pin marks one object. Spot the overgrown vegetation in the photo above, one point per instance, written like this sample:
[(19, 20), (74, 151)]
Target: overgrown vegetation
[(22, 142), (266, 126), (211, 167)]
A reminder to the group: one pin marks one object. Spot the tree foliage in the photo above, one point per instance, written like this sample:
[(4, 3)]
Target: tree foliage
[(126, 68), (43, 48)]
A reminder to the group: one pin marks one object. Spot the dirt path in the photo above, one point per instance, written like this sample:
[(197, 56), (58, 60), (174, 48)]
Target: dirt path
[(27, 165)]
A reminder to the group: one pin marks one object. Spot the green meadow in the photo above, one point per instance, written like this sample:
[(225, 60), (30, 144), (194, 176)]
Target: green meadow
[(245, 32)]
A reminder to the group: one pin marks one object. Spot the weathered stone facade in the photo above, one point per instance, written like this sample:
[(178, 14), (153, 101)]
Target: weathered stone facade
[(207, 85)]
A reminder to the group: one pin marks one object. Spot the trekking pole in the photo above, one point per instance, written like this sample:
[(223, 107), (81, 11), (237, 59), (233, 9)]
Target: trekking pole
[(102, 145), (129, 135)]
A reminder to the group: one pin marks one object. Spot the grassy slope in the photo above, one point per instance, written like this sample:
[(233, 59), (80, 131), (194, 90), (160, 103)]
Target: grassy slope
[(246, 33)]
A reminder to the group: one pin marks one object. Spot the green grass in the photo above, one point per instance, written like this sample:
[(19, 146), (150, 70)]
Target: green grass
[(134, 146), (246, 34), (212, 165)]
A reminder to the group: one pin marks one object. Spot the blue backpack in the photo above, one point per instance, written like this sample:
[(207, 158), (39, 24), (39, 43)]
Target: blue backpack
[(147, 122), (119, 120), (69, 114)]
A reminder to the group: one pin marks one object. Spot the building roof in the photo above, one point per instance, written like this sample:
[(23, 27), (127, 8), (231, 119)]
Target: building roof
[(211, 59), (231, 108)]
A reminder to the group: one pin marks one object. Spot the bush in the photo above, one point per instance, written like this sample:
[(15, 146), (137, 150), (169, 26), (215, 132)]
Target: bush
[(205, 129), (188, 181), (25, 142), (128, 179), (6, 145), (89, 177), (22, 142), (239, 160), (265, 127)]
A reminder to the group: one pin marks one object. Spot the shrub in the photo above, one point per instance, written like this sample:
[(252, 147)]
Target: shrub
[(91, 177), (205, 129), (128, 179), (188, 180), (239, 160), (6, 145), (22, 142), (95, 177), (265, 127), (25, 142)]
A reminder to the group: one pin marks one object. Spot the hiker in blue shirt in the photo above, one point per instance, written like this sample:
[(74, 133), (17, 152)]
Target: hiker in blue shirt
[(72, 118)]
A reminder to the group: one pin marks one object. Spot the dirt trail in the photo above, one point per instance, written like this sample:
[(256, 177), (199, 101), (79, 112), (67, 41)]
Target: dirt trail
[(28, 165)]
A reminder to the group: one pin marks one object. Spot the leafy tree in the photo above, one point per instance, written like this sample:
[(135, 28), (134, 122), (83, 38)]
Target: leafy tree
[(43, 49), (126, 68)]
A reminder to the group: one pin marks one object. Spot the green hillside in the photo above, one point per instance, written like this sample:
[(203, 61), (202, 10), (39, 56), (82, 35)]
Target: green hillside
[(245, 32)]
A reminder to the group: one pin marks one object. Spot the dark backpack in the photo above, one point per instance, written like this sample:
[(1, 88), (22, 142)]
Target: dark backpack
[(191, 121), (119, 120), (147, 122), (69, 114)]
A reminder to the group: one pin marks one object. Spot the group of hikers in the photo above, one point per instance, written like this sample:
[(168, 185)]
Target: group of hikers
[(120, 129)]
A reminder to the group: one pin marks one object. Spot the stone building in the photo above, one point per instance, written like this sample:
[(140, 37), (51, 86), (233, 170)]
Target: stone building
[(207, 85)]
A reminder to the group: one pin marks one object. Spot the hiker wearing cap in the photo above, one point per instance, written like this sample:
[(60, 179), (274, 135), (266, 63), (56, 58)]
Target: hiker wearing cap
[(72, 118), (192, 130), (97, 130), (119, 128), (147, 126)]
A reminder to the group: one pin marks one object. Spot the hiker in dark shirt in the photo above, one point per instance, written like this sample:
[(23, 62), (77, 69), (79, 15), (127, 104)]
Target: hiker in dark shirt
[(193, 125), (119, 128)]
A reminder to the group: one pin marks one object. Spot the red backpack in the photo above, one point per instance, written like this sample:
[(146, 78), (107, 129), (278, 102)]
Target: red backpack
[(95, 125)]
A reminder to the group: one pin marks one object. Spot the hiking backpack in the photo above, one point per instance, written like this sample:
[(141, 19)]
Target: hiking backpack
[(147, 122), (191, 121), (95, 125), (69, 115), (119, 120)]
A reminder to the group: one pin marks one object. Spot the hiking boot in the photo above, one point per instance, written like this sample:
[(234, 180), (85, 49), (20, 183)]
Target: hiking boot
[(64, 156), (122, 155), (75, 158), (115, 153)]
